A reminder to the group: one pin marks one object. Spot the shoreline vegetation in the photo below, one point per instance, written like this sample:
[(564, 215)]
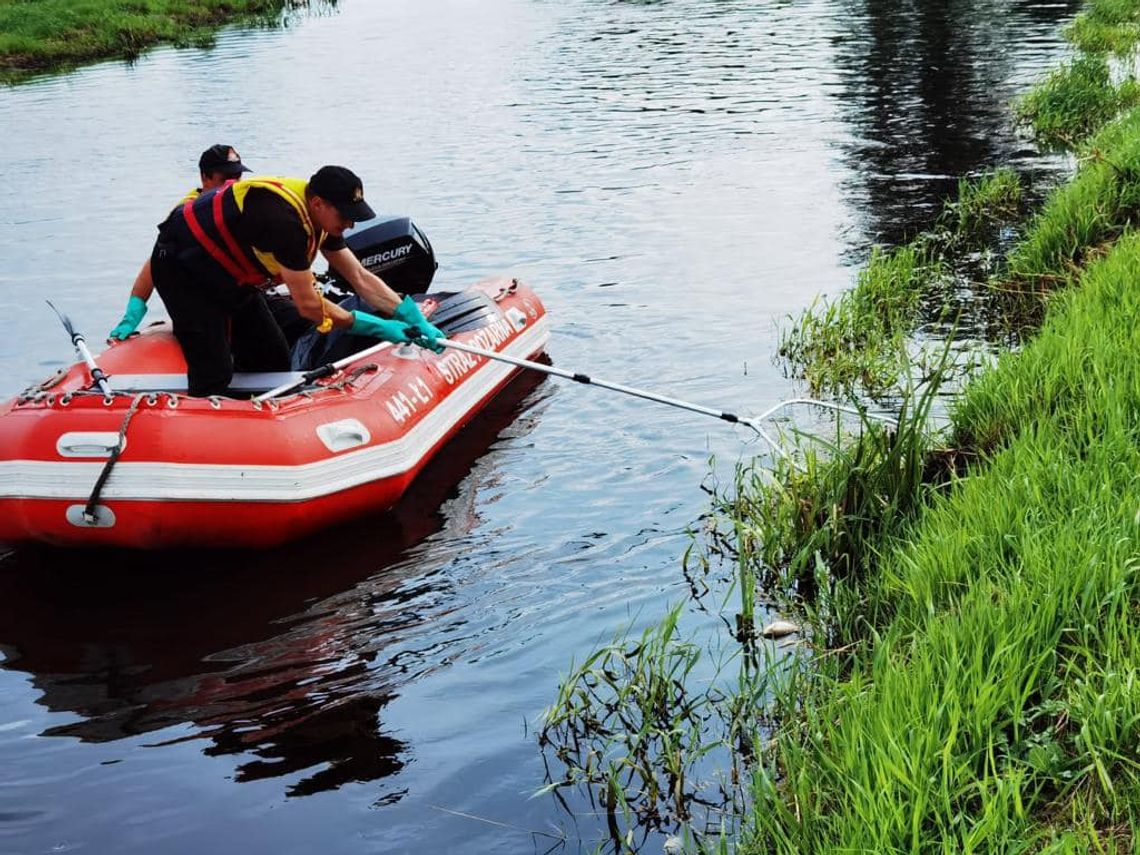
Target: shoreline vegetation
[(44, 36), (966, 676)]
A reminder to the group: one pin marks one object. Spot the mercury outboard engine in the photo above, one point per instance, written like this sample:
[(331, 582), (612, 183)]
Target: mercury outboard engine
[(396, 251)]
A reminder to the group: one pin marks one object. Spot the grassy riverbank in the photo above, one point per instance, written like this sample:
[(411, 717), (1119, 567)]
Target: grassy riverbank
[(975, 684), (989, 696), (48, 35), (971, 677)]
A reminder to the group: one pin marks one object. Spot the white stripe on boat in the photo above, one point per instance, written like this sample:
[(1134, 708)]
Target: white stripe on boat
[(205, 482)]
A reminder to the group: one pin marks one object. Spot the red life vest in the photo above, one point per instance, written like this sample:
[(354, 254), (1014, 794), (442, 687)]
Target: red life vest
[(211, 218)]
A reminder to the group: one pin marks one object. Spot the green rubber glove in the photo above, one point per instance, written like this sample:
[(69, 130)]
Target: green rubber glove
[(136, 308), (394, 331), (425, 334)]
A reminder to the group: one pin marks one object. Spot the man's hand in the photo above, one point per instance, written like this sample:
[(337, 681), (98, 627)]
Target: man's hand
[(424, 334), (385, 330), (136, 308)]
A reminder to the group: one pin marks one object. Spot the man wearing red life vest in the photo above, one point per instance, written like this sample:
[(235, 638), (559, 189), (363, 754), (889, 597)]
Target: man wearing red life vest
[(214, 252), (217, 165)]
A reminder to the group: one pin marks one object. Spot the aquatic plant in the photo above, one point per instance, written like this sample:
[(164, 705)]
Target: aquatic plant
[(982, 208), (854, 343), (1074, 102), (1106, 26), (860, 343), (630, 727)]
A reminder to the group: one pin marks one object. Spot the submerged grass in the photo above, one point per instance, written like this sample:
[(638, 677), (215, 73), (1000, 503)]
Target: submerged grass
[(44, 35), (857, 344)]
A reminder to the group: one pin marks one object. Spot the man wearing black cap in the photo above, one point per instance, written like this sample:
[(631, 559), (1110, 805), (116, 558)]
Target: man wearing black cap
[(215, 252), (217, 165)]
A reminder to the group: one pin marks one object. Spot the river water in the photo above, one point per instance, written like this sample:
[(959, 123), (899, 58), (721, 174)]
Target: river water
[(673, 178)]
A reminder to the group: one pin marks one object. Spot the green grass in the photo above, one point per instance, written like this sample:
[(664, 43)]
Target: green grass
[(857, 344), (1074, 102), (42, 35), (993, 703), (1082, 219), (1106, 26)]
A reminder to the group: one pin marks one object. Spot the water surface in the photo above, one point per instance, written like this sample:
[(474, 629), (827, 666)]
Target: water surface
[(673, 178)]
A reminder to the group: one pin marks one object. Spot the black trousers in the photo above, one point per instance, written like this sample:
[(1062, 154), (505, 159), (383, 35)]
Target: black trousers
[(221, 326)]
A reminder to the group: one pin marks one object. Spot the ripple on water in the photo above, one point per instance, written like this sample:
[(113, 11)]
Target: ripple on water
[(674, 180)]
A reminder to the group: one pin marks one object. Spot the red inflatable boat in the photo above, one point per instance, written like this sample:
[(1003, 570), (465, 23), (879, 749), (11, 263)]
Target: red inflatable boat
[(150, 467)]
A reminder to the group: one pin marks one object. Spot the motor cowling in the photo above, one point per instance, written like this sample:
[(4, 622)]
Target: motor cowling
[(396, 251)]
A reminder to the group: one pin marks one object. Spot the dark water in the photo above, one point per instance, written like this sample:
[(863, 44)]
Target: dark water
[(674, 178)]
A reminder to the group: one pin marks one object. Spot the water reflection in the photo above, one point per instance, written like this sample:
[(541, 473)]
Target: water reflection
[(289, 656), (926, 90), (715, 164)]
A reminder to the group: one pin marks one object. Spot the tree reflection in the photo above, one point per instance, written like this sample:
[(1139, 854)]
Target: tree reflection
[(926, 88)]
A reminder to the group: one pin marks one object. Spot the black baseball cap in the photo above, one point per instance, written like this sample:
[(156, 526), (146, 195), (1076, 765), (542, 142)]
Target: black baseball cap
[(222, 158), (343, 189)]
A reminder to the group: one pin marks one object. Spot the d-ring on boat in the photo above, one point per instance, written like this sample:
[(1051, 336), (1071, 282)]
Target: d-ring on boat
[(146, 466)]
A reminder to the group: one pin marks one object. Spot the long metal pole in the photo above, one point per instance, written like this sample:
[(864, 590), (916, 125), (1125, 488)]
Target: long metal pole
[(577, 377), (733, 418)]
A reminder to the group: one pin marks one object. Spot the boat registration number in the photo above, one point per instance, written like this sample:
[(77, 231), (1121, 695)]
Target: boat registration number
[(404, 404)]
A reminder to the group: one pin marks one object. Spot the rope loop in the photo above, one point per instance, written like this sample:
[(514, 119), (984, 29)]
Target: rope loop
[(89, 511), (53, 380), (215, 401)]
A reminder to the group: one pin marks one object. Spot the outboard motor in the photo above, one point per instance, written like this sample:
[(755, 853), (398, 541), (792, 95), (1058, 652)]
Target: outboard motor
[(396, 251)]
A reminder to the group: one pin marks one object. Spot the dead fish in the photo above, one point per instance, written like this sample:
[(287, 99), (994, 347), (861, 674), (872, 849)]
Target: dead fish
[(780, 628)]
